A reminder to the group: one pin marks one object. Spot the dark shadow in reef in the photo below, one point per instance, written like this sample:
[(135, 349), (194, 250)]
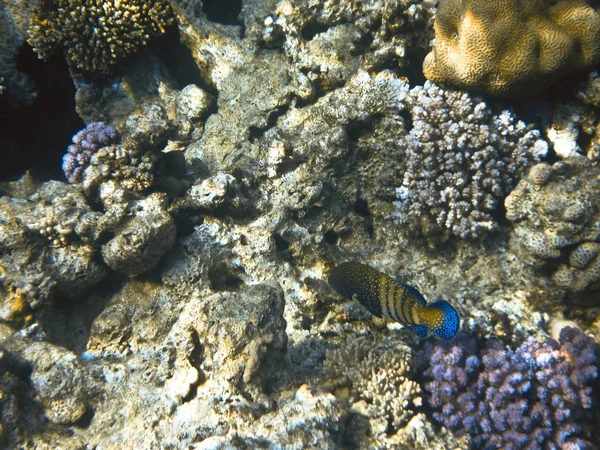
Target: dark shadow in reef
[(36, 136), (225, 12)]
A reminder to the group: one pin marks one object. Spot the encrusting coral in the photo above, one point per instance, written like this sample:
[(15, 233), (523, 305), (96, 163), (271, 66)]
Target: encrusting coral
[(461, 160), (533, 397), (97, 34), (512, 47)]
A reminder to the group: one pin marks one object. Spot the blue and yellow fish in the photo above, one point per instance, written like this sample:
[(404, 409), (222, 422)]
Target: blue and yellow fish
[(384, 296)]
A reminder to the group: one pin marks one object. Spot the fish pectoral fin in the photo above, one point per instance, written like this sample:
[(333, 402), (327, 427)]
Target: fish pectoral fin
[(419, 330), (358, 302)]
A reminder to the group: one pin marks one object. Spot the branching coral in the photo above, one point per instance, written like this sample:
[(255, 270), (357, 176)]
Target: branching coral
[(534, 397), (378, 373), (97, 34), (461, 160), (132, 164), (514, 46), (85, 144)]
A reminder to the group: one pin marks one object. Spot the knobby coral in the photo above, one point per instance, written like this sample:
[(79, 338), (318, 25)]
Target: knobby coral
[(533, 397), (512, 47), (85, 144), (461, 160), (97, 34), (555, 210)]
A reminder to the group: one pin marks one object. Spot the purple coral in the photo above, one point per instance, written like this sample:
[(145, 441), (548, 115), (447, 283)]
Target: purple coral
[(533, 397), (85, 144)]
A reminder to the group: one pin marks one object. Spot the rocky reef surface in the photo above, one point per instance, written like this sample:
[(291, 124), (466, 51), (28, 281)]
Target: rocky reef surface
[(170, 291)]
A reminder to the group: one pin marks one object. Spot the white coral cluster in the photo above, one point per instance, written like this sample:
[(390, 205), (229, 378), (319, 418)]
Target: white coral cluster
[(461, 161)]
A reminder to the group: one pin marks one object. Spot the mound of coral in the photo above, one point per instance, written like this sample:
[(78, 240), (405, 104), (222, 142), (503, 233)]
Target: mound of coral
[(555, 212), (512, 47), (533, 397)]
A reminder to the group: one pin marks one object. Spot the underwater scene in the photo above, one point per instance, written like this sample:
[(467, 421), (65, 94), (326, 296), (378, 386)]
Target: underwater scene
[(299, 224)]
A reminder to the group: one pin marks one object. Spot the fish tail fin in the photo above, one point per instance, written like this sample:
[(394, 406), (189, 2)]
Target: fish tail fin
[(448, 326)]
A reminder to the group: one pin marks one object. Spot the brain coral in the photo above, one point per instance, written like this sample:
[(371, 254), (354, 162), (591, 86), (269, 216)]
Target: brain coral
[(97, 34), (512, 46)]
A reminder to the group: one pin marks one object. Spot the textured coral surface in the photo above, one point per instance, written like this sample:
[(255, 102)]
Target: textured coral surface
[(512, 47), (533, 397)]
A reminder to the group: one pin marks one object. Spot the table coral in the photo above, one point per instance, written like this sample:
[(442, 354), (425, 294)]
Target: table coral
[(460, 161), (512, 47), (97, 34), (533, 397)]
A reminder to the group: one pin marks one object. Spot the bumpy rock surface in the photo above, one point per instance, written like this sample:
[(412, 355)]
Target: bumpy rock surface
[(47, 241), (140, 242), (512, 47)]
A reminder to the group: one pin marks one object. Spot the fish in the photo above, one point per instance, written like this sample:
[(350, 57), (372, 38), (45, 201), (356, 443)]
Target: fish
[(382, 296)]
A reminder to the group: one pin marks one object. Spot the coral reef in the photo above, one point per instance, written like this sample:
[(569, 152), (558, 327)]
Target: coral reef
[(51, 236), (46, 245), (85, 144), (140, 242), (96, 35), (306, 31), (58, 381), (254, 156), (555, 212), (512, 48), (535, 396), (461, 161)]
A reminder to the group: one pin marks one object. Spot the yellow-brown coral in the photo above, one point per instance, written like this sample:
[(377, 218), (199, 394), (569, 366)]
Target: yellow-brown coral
[(97, 34), (511, 47)]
